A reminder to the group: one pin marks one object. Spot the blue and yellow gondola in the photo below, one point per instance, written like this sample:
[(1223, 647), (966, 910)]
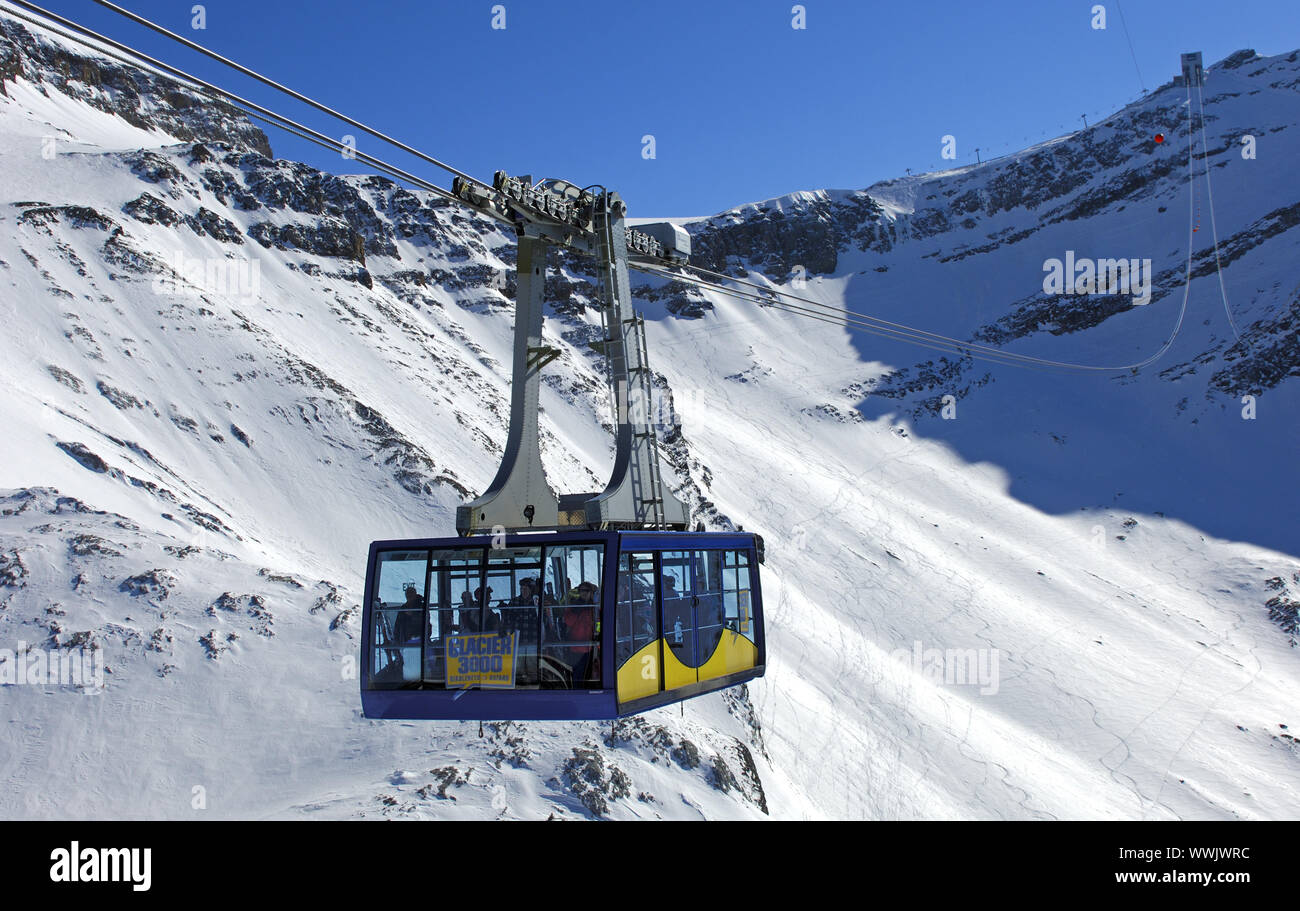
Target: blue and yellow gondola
[(558, 625)]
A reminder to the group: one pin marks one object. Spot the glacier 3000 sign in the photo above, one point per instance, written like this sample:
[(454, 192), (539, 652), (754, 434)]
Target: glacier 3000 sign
[(482, 659)]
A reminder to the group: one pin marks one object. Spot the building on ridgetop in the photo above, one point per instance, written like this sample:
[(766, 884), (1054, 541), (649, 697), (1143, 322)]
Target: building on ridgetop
[(1192, 75)]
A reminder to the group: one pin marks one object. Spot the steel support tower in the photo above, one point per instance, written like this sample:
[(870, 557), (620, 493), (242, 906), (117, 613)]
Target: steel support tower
[(519, 497)]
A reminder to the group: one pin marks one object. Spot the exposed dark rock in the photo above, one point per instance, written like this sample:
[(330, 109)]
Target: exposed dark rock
[(508, 744), (282, 578), (66, 378), (214, 226), (446, 777), (12, 570), (153, 167), (687, 754), (151, 210), (121, 400), (329, 599), (214, 644), (76, 216), (1266, 354), (87, 545), (154, 584), (345, 619), (84, 457), (137, 96), (944, 378), (592, 782), (328, 237), (1237, 59), (1283, 608)]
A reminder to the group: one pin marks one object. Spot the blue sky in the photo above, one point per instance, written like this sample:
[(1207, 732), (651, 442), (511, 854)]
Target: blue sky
[(742, 106)]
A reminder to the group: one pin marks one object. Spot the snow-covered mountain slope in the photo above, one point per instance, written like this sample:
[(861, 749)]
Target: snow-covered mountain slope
[(227, 374)]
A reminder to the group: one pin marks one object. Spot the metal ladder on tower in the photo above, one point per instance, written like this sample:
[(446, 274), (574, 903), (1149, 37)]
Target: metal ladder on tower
[(648, 490)]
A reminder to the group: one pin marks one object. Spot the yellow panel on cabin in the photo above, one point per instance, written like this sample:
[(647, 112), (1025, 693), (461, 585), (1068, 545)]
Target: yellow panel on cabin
[(639, 675), (734, 653), (675, 673)]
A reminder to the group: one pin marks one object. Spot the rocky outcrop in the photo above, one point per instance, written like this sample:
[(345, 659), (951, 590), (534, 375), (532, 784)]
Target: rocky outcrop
[(138, 97)]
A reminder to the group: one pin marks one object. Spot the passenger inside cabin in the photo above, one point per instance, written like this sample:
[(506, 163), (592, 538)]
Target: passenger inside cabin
[(527, 593), (469, 614), (550, 615), (583, 593), (409, 624), (523, 622), (580, 629)]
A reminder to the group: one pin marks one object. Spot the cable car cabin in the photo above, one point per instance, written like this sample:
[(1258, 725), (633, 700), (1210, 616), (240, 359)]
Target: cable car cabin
[(562, 625)]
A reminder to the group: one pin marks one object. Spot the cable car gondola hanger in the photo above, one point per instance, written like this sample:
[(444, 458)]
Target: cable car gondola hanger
[(519, 498), (581, 606)]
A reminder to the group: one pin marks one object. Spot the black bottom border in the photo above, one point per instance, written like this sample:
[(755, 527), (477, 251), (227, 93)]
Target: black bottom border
[(996, 859)]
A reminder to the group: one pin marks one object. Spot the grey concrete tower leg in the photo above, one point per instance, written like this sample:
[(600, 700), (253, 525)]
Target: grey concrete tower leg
[(519, 496)]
